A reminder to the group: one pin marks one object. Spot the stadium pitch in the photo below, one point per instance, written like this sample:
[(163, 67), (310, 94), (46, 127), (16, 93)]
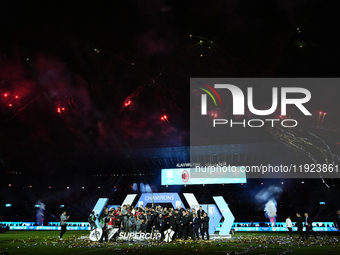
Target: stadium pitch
[(77, 242)]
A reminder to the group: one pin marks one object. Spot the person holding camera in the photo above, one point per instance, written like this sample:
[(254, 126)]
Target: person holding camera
[(92, 220), (104, 221)]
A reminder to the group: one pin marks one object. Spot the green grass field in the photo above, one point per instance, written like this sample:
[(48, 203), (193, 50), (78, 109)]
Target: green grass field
[(47, 242)]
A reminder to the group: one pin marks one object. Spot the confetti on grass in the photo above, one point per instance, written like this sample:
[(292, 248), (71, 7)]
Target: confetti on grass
[(234, 245)]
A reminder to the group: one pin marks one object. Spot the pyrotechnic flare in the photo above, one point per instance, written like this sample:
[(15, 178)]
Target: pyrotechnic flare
[(323, 116), (165, 119), (8, 103), (40, 213), (127, 103), (270, 209), (319, 118), (303, 141)]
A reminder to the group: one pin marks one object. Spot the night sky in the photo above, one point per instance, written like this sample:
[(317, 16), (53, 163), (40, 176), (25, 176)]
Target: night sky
[(90, 79)]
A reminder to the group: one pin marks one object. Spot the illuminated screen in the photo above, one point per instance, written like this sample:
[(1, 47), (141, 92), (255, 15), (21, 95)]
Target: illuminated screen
[(189, 176)]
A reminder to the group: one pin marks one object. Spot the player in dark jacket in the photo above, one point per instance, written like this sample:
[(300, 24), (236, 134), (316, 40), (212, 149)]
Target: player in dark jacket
[(159, 224), (119, 221), (195, 227), (172, 222), (143, 226), (205, 225), (309, 227), (185, 225), (178, 228), (299, 225)]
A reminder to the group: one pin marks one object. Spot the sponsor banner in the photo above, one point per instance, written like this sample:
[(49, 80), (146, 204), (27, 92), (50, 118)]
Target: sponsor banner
[(149, 198), (17, 223), (168, 235), (112, 232), (279, 229), (46, 228), (199, 176), (69, 223), (139, 236), (96, 234)]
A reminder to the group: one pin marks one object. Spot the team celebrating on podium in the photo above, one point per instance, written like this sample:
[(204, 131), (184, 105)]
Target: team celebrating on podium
[(184, 222)]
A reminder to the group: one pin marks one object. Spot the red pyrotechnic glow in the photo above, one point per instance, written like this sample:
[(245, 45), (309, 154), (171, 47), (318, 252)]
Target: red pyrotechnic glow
[(5, 95), (16, 96), (58, 109), (320, 113), (165, 119), (63, 109), (10, 105), (323, 117), (128, 103)]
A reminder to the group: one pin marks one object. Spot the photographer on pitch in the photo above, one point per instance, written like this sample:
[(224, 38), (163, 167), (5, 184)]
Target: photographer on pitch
[(104, 221), (92, 220)]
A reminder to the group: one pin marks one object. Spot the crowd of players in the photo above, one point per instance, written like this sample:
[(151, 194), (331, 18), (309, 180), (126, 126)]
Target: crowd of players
[(184, 222)]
